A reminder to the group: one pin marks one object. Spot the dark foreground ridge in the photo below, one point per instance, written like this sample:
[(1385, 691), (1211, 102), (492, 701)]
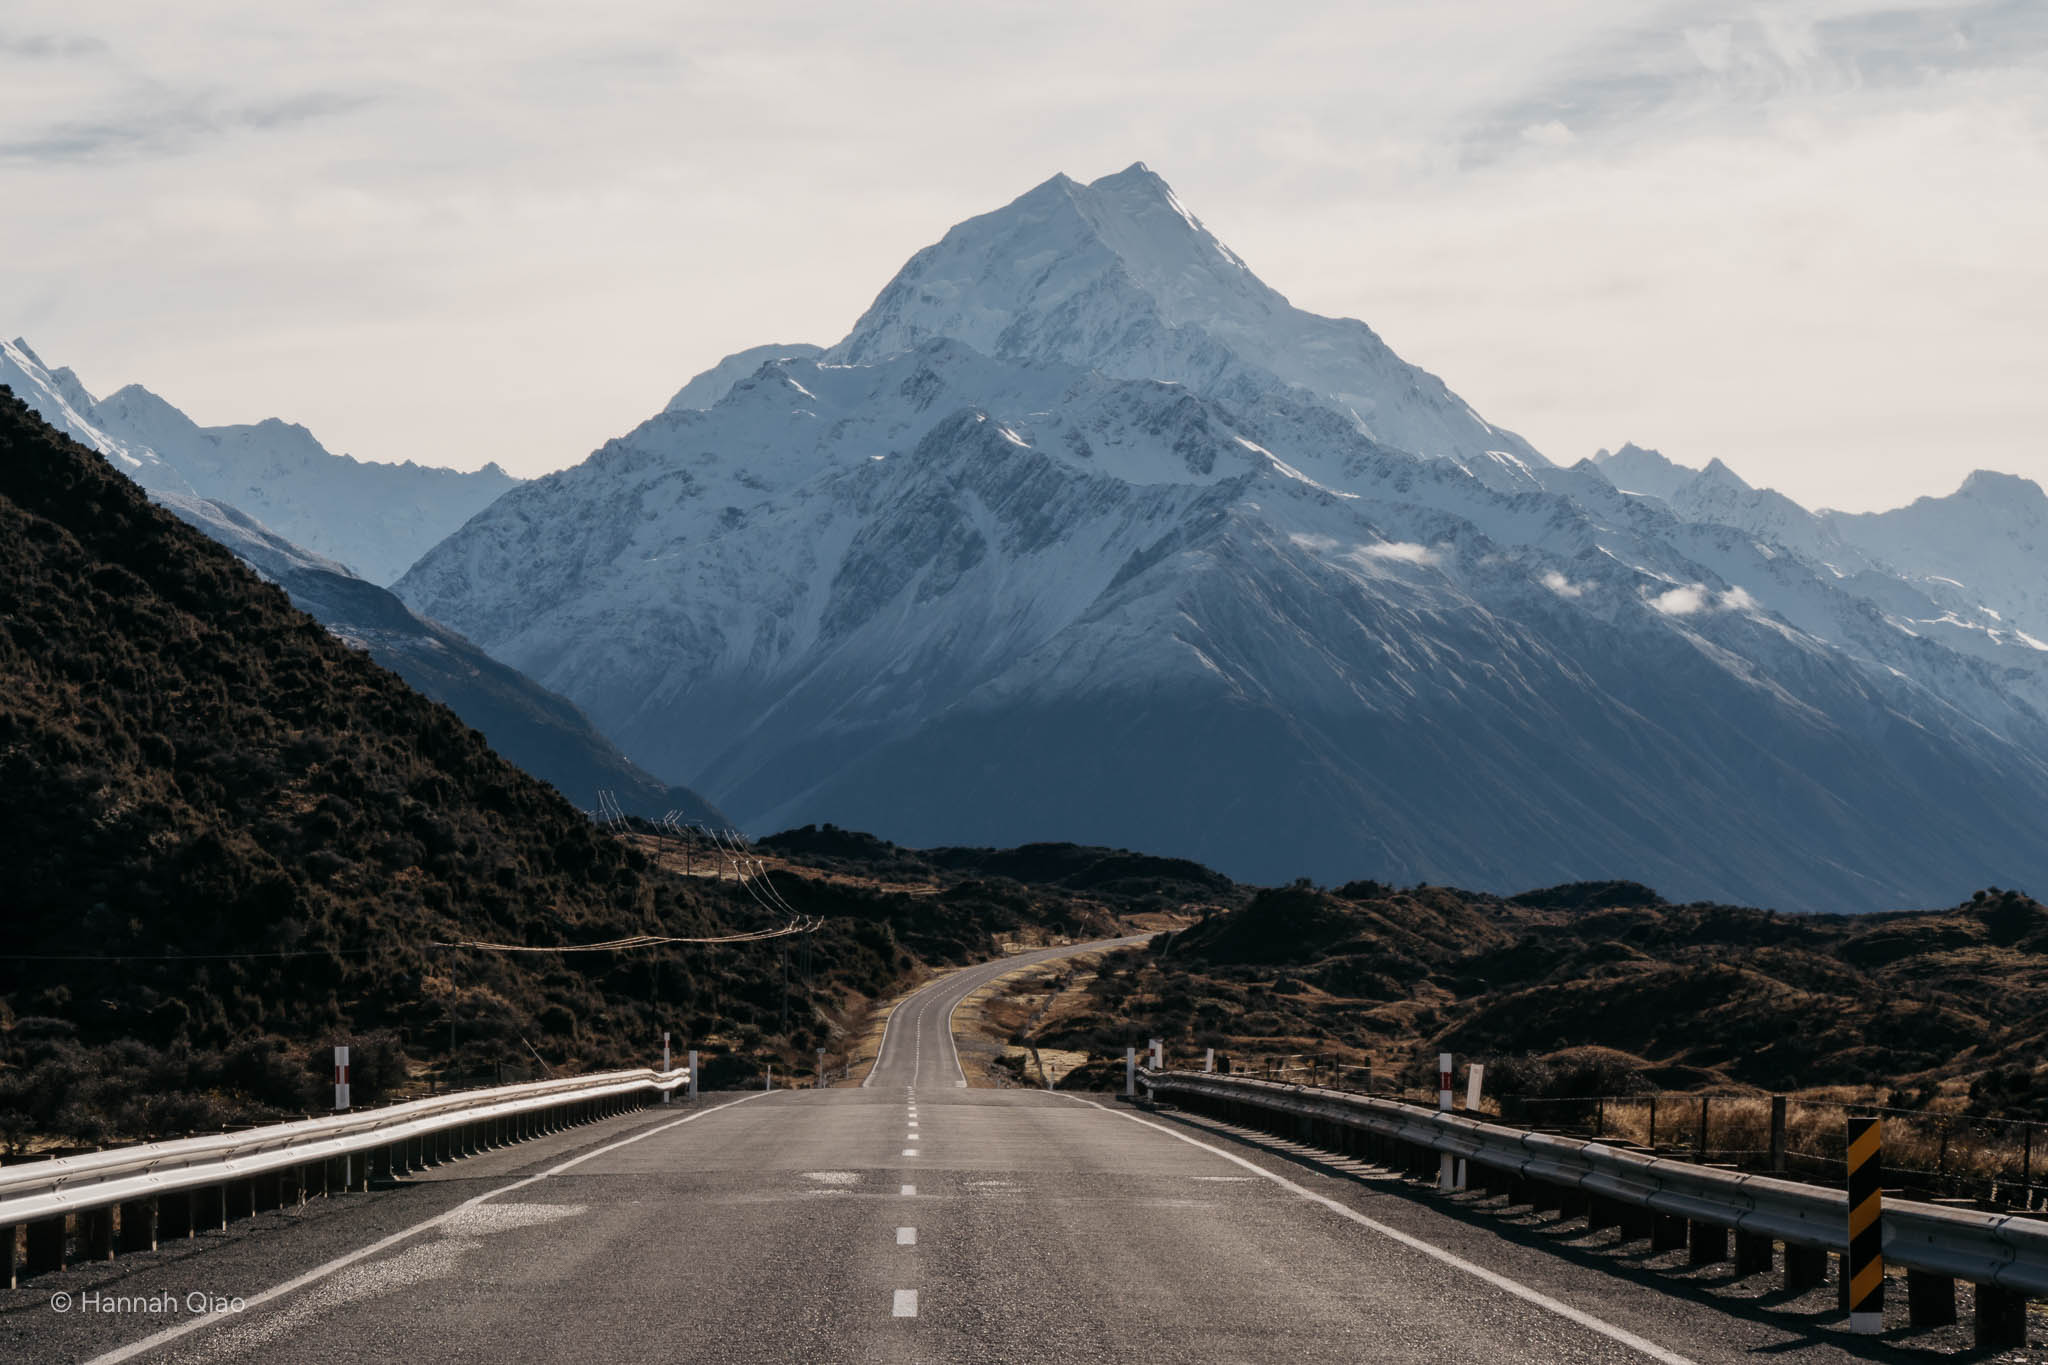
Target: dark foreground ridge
[(232, 841)]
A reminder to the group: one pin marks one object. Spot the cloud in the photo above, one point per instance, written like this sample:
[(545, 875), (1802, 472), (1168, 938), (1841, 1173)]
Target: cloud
[(1563, 586), (172, 122), (1692, 598), (1681, 601), (49, 46), (1400, 551)]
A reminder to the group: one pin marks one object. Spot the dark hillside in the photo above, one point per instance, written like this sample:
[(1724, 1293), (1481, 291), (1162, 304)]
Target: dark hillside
[(1682, 994), (231, 840)]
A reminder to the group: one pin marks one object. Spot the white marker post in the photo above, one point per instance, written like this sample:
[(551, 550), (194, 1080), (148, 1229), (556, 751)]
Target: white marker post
[(1475, 1075), (1130, 1072), (1446, 1176), (1158, 1055), (693, 1074), (768, 1076), (666, 1095), (1209, 1062), (821, 1068)]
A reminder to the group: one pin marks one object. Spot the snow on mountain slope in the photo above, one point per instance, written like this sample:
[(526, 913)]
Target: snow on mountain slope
[(1636, 470), (1084, 532), (540, 731), (1118, 276), (1989, 537), (59, 399), (1962, 572), (712, 385), (376, 518)]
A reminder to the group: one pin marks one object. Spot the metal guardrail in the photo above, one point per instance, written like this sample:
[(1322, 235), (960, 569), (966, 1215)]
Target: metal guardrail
[(2002, 1251), (42, 1194)]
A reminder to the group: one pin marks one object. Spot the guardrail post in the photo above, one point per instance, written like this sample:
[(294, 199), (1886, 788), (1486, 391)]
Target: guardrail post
[(1753, 1252), (1667, 1232), (46, 1245), (239, 1199), (10, 1263), (174, 1217), (1930, 1299), (1805, 1267), (96, 1227), (1863, 1264), (2001, 1318), (263, 1195), (1708, 1243)]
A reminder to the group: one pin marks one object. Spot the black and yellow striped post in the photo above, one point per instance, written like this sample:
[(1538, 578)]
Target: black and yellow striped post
[(1863, 1267)]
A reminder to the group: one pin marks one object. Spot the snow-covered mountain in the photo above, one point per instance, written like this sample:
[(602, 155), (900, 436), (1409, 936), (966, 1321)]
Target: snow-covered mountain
[(375, 518), (1082, 532), (1969, 570), (1118, 276)]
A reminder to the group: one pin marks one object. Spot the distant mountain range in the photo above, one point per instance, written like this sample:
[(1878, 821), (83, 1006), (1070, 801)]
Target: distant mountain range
[(374, 518), (1085, 533), (542, 732)]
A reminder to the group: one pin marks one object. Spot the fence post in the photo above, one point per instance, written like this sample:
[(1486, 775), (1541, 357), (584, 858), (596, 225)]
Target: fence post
[(1130, 1073), (693, 1074), (2027, 1167), (1863, 1267), (1702, 1152), (1652, 1144), (1778, 1133), (669, 1095), (821, 1068)]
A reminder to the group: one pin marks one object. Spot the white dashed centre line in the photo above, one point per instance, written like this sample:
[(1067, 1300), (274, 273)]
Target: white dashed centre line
[(910, 1151), (906, 1237), (910, 1191), (906, 1303)]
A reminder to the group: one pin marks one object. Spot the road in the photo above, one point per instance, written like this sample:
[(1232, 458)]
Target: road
[(909, 1219)]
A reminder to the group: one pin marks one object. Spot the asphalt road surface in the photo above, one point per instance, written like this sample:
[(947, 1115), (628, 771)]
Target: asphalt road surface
[(910, 1219)]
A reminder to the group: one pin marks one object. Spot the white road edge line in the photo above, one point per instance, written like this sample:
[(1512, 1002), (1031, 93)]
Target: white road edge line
[(882, 1046), (1492, 1277), (906, 1303), (321, 1272)]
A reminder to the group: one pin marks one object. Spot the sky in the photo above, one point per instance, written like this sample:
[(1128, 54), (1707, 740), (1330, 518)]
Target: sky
[(1804, 238)]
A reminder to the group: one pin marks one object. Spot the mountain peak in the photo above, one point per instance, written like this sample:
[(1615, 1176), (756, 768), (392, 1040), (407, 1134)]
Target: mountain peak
[(1118, 276), (1718, 473), (1989, 485)]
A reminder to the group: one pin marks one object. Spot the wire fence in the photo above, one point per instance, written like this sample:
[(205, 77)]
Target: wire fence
[(1943, 1157), (1928, 1154)]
